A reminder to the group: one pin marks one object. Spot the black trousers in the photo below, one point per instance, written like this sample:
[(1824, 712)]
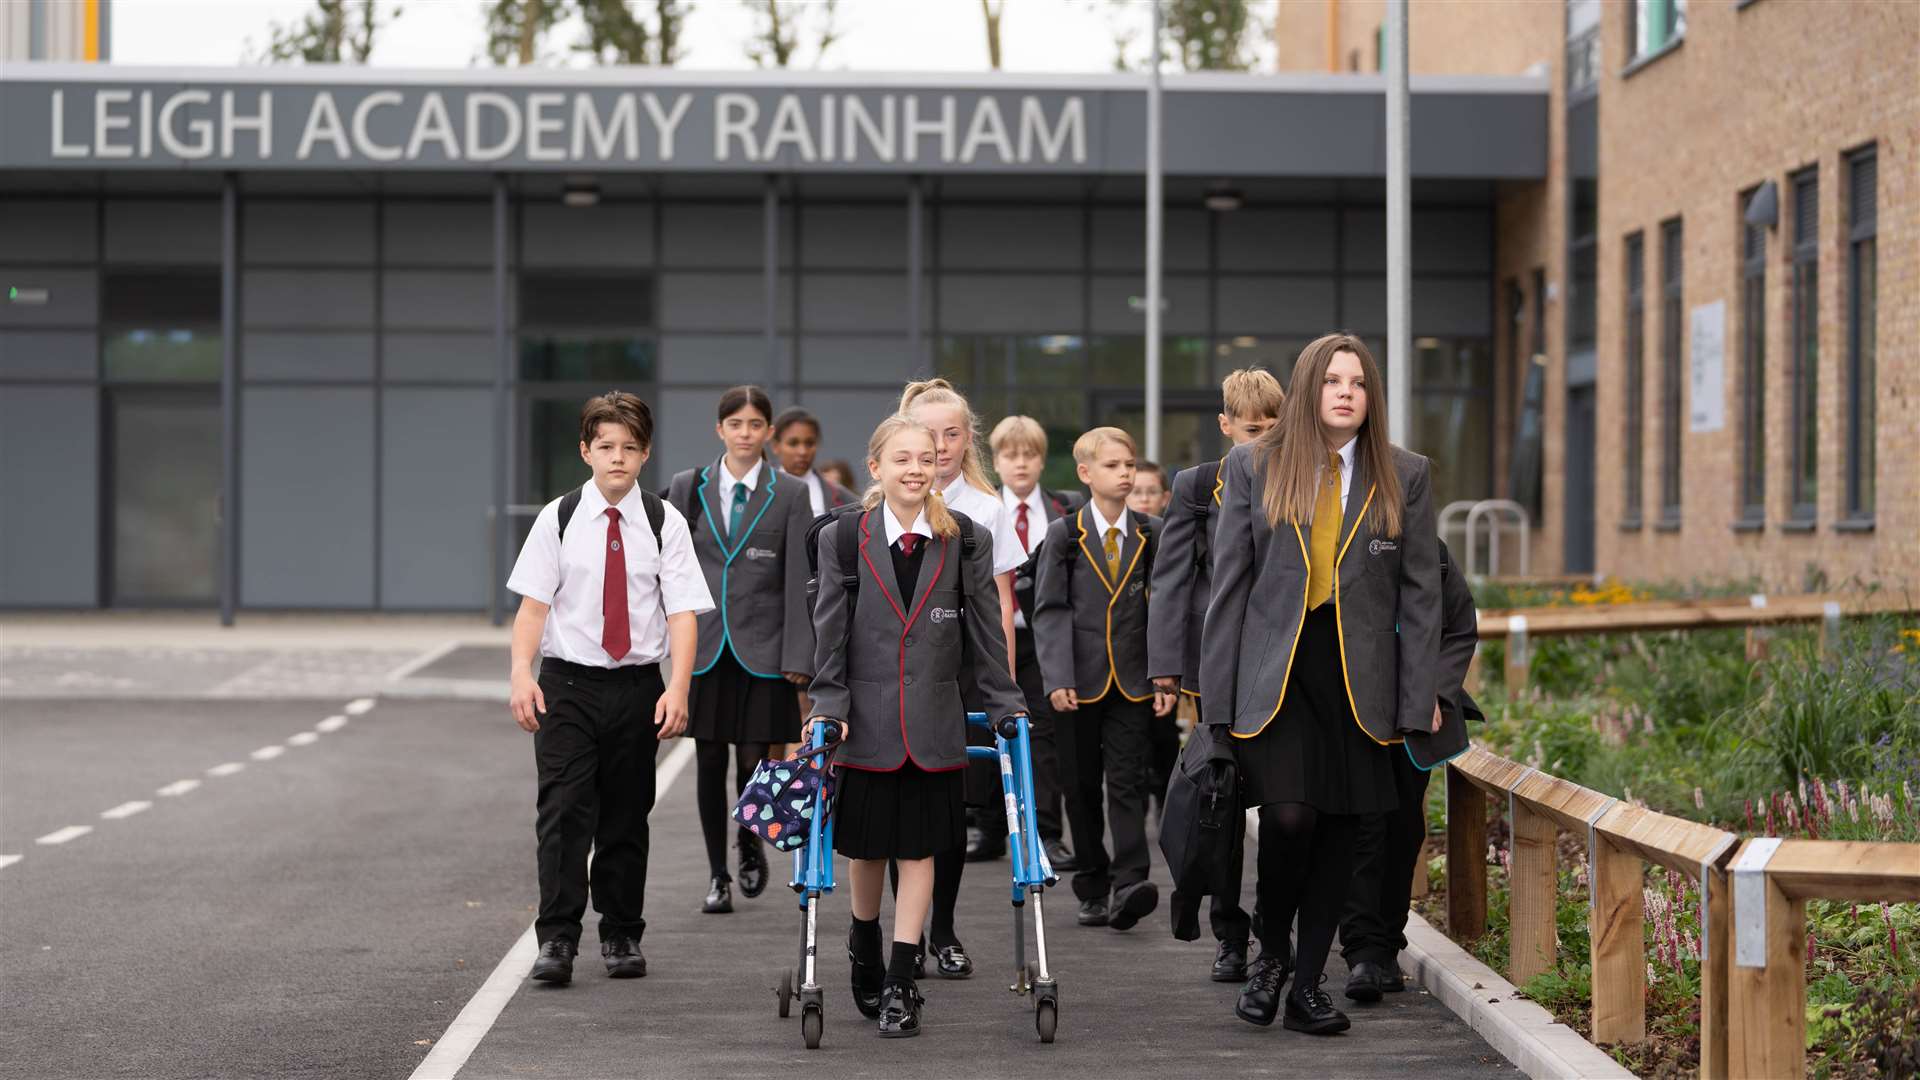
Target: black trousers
[(1052, 762), (595, 755), (1229, 920), (1110, 741), (1386, 855)]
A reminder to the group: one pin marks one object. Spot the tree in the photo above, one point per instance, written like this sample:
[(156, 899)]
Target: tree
[(779, 26), (615, 35), (516, 28), (992, 10), (333, 32), (1205, 35)]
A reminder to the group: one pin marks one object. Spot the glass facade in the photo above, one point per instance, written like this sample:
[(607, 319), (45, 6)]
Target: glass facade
[(369, 421)]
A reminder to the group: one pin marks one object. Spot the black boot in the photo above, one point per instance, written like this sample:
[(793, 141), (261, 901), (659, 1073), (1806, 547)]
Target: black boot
[(1260, 998), (1230, 961), (555, 964), (753, 865), (1309, 1009), (719, 898)]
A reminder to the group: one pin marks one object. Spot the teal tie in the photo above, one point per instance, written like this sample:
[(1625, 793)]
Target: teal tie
[(740, 494)]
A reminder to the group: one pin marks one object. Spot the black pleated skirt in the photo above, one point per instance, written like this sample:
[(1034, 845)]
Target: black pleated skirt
[(1313, 751), (908, 813), (729, 705)]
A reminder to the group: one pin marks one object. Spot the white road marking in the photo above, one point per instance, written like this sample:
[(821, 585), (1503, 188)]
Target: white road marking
[(358, 706), (331, 724), (61, 836), (304, 738), (178, 787), (268, 753), (450, 1053), (126, 810), (228, 769), (8, 860), (422, 660)]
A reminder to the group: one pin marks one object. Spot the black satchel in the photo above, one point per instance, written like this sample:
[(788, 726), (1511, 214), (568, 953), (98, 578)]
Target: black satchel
[(1197, 833)]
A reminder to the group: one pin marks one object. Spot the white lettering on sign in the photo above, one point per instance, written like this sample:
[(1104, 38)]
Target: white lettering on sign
[(384, 125)]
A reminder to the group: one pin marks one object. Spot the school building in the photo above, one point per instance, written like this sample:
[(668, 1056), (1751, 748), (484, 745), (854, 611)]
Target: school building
[(1707, 338)]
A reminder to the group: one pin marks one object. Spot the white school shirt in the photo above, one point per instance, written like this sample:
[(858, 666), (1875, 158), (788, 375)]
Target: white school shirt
[(570, 579), (919, 527), (989, 511), (1346, 470), (1100, 523), (728, 483), (1036, 529), (816, 492)]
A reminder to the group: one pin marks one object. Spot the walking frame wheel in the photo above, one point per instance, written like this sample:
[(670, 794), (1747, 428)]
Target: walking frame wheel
[(785, 993), (811, 1022), (1046, 1018)]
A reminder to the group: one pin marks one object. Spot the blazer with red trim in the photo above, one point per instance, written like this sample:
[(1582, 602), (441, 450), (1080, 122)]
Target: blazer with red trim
[(1386, 596), (893, 671)]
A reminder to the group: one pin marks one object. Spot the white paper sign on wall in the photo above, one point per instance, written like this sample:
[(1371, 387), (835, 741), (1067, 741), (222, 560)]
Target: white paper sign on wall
[(1707, 351)]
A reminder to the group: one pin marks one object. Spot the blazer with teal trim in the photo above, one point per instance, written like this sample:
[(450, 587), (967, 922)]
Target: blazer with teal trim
[(758, 579)]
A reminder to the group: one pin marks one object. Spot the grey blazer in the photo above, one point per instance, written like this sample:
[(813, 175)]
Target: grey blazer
[(1177, 604), (894, 676), (759, 579), (1091, 633), (1386, 597)]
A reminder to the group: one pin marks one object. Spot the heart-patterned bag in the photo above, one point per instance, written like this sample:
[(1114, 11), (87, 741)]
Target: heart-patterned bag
[(783, 795)]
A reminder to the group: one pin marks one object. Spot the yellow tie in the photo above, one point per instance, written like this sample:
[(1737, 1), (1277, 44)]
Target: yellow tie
[(1326, 533), (1113, 554)]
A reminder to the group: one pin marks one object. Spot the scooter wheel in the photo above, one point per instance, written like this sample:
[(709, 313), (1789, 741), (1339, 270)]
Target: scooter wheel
[(1046, 1019), (810, 1024), (785, 993)]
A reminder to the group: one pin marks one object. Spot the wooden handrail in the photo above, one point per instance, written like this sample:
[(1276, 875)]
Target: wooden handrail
[(1753, 997)]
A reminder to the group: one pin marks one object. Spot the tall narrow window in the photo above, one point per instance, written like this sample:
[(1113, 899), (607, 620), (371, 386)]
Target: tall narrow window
[(1804, 428), (1753, 373), (1634, 391), (1672, 375), (1653, 24), (1863, 219)]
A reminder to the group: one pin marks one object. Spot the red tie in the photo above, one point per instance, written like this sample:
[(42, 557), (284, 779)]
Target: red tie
[(1020, 527), (907, 543), (613, 594)]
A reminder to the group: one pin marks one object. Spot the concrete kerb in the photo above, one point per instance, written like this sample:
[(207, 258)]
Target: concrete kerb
[(1523, 1032)]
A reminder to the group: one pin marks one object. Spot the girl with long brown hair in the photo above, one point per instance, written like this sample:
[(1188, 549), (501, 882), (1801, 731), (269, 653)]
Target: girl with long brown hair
[(1320, 645)]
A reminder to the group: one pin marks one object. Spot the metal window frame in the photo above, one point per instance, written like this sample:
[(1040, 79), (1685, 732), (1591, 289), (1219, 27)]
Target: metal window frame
[(1672, 366), (1634, 373), (1803, 491), (1753, 372), (1862, 230)]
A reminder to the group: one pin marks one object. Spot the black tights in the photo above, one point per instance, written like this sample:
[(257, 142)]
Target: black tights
[(715, 798), (947, 868), (1305, 860)]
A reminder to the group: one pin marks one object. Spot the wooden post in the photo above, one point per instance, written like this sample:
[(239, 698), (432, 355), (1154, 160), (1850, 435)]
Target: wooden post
[(1517, 660), (1534, 885), (1619, 948), (1421, 887), (1767, 1013), (1756, 634), (1715, 960), (1466, 857)]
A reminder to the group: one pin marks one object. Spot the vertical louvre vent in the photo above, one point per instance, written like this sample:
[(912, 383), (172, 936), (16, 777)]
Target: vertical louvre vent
[(1755, 246), (1864, 199), (1636, 265), (1670, 255), (1806, 210)]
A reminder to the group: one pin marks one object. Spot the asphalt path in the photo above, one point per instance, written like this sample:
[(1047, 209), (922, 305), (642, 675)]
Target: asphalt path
[(328, 909)]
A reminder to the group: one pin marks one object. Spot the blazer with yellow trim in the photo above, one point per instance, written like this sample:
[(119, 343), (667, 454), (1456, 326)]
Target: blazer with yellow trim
[(1091, 633), (1183, 580), (1386, 597)]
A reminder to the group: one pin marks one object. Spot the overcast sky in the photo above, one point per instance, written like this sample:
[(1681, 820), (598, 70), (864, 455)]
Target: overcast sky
[(876, 35)]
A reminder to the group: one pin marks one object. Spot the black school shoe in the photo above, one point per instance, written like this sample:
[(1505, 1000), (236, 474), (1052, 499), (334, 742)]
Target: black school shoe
[(900, 1010), (719, 899), (1137, 904), (1260, 998), (951, 961), (753, 865), (867, 982), (623, 958), (1060, 857), (1094, 912), (1394, 981), (555, 963), (1309, 1009), (1230, 961), (1366, 981)]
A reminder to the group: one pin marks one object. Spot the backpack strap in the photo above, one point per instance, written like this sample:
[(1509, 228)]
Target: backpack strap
[(568, 504), (656, 514), (969, 543), (847, 540), (1209, 479)]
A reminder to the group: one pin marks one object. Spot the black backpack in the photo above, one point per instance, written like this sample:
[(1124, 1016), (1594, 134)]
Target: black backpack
[(656, 513), (847, 545), (1146, 538), (1202, 548)]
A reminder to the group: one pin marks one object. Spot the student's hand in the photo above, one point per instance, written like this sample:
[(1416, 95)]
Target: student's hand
[(806, 732), (797, 679), (670, 713), (1166, 684), (1064, 700), (526, 702), (1436, 718), (1164, 702)]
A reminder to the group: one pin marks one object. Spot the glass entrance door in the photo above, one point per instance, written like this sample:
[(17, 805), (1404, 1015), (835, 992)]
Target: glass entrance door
[(165, 455), (1189, 425)]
